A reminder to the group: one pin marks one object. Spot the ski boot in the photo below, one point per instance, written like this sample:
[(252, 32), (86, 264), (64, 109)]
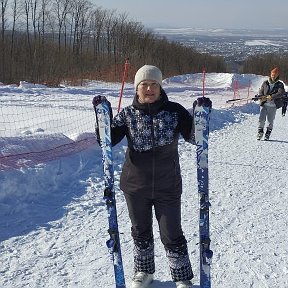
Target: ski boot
[(260, 133), (267, 134), (184, 284), (141, 280)]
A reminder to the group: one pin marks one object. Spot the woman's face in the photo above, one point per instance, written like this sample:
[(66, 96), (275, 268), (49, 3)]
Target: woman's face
[(273, 76), (148, 91)]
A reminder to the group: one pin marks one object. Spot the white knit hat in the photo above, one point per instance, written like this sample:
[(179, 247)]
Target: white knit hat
[(148, 72)]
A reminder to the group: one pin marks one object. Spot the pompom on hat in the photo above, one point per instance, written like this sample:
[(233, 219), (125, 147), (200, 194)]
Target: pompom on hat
[(148, 72), (275, 71)]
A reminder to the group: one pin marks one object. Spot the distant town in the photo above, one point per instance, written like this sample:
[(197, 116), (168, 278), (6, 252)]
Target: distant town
[(235, 45)]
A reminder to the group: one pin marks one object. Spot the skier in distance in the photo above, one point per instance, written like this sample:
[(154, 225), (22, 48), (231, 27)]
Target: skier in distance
[(270, 95)]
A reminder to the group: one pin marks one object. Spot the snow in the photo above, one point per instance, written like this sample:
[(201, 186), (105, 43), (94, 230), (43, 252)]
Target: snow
[(261, 42), (54, 221)]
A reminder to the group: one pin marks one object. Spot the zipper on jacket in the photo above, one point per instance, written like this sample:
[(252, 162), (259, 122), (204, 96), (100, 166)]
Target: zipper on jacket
[(153, 152)]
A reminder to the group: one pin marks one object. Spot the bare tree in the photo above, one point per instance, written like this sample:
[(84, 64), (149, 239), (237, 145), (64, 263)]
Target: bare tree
[(3, 28), (80, 9), (33, 14), (97, 25), (110, 24), (16, 12), (119, 34), (62, 8), (3, 18), (27, 15)]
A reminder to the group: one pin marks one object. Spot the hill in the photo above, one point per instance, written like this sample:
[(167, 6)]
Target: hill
[(54, 222)]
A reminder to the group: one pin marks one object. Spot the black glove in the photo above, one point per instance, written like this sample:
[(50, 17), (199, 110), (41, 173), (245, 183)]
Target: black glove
[(98, 99), (256, 98), (204, 101)]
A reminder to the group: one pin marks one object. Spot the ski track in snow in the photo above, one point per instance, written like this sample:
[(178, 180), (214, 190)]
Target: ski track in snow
[(255, 212), (60, 239)]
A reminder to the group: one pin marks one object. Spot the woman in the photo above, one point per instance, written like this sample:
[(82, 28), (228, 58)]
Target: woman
[(151, 175), (271, 98)]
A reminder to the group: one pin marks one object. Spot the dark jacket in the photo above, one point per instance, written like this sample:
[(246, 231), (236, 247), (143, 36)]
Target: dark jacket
[(152, 130), (285, 102), (276, 92)]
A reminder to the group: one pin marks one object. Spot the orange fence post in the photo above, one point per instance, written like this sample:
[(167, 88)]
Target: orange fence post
[(249, 86), (203, 81), (123, 82), (236, 88)]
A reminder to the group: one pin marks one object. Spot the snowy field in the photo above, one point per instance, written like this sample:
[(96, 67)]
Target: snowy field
[(53, 220)]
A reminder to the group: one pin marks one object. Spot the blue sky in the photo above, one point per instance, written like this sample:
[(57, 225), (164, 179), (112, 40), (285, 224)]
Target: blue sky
[(203, 13)]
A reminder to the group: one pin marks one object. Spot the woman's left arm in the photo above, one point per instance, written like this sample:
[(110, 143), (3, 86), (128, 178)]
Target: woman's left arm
[(186, 125)]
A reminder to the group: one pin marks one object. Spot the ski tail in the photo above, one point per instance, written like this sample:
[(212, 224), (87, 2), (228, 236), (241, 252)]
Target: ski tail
[(103, 114)]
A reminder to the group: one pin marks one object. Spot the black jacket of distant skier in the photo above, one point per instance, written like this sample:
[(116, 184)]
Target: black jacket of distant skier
[(276, 92), (151, 164), (285, 102)]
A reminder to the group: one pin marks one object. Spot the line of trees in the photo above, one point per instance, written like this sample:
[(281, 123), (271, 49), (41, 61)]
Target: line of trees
[(52, 40), (262, 64)]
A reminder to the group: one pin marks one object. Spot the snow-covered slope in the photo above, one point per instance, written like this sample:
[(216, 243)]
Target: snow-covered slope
[(53, 221)]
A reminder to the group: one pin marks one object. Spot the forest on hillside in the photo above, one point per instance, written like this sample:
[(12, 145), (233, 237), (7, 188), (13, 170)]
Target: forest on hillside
[(263, 63), (48, 41)]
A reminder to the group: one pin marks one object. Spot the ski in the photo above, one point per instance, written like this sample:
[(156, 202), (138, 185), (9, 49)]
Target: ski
[(244, 99), (201, 120), (103, 119), (256, 98), (236, 99)]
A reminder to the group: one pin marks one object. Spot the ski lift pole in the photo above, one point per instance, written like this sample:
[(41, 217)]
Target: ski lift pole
[(123, 82)]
